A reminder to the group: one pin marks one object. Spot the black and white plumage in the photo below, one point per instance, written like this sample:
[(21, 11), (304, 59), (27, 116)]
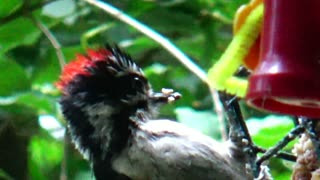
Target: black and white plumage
[(109, 106)]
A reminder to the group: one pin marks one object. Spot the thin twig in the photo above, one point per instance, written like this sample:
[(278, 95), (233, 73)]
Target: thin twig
[(64, 166), (164, 42), (282, 155), (56, 45), (281, 144)]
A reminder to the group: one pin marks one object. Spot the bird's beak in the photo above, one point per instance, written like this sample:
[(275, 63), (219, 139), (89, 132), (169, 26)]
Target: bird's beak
[(165, 96)]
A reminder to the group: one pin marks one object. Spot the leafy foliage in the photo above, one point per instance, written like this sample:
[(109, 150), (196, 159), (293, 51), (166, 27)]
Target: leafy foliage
[(29, 67)]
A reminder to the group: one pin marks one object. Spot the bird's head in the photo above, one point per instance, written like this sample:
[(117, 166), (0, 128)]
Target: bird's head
[(105, 76), (101, 91)]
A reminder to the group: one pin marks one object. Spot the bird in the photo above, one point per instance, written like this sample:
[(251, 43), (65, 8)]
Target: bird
[(112, 112)]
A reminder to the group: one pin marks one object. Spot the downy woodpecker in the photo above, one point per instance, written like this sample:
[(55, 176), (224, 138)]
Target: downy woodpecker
[(110, 109)]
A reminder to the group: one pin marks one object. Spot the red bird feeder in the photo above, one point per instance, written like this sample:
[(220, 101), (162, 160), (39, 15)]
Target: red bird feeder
[(287, 78)]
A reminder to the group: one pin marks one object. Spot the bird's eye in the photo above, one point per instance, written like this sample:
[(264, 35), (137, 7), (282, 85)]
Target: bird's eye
[(137, 83)]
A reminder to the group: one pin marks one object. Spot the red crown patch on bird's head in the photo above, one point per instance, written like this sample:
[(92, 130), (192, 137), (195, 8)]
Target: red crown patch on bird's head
[(82, 64)]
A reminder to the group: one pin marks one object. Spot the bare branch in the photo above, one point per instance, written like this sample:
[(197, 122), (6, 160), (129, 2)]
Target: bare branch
[(281, 144), (64, 169), (281, 155), (56, 45)]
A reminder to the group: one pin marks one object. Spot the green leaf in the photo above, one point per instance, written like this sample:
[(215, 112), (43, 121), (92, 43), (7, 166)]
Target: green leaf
[(155, 69), (40, 102), (13, 78), (204, 121), (4, 175), (163, 20), (139, 44), (59, 9), (46, 152), (7, 7), (279, 171), (48, 70), (18, 32), (45, 156), (268, 131), (84, 175), (23, 119)]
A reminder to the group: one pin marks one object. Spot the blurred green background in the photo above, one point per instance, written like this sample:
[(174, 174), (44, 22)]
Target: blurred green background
[(32, 142)]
